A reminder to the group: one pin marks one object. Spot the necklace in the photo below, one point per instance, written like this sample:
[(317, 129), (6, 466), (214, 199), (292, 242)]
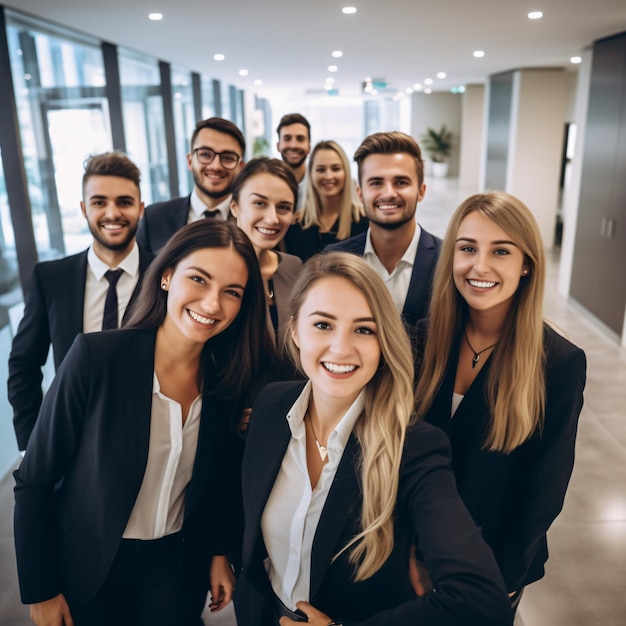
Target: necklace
[(320, 448), (476, 356)]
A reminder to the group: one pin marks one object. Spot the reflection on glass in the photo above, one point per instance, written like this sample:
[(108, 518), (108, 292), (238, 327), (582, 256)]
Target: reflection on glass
[(184, 123), (63, 117), (144, 124), (9, 278), (208, 98)]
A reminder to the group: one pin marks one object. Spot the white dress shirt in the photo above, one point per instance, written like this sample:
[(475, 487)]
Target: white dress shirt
[(293, 510), (399, 279), (197, 207), (160, 505), (96, 287)]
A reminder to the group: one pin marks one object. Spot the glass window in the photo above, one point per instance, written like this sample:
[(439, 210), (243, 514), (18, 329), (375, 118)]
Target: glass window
[(184, 124), (59, 89), (144, 122), (208, 98), (9, 278)]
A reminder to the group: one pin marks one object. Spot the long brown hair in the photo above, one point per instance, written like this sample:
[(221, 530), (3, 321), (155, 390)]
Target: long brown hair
[(239, 351), (515, 387)]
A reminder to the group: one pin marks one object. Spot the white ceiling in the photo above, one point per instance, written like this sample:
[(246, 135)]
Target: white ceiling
[(288, 43)]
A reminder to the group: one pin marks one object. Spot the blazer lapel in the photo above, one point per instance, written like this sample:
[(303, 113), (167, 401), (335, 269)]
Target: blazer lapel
[(415, 305), (76, 297), (344, 496), (138, 400)]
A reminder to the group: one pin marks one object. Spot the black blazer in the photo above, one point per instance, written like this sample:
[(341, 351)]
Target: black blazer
[(469, 587), (160, 221), (420, 287), (84, 465), (53, 315), (514, 497)]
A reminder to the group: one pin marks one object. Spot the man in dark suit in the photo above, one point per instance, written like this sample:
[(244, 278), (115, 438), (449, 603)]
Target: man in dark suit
[(390, 185), (85, 292), (215, 159)]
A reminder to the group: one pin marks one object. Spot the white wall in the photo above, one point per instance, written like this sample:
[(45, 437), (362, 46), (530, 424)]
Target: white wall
[(472, 138), (536, 141)]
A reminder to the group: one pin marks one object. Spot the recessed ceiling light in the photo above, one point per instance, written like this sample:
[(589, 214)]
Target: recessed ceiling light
[(330, 80), (243, 72), (479, 53), (461, 88), (258, 82), (576, 60), (219, 57), (441, 74), (332, 68), (337, 54), (349, 10), (535, 15), (155, 17), (427, 91), (428, 81), (409, 90), (417, 87)]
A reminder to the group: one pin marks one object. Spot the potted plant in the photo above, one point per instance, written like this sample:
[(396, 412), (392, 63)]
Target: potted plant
[(438, 144)]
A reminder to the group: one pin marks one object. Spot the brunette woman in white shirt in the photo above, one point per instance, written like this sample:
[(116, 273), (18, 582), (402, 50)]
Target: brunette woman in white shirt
[(121, 512), (338, 482)]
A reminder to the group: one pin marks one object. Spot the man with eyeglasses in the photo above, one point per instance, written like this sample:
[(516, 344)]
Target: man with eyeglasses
[(215, 159)]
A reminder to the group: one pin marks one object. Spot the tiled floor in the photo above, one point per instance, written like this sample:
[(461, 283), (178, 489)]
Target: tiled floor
[(586, 574)]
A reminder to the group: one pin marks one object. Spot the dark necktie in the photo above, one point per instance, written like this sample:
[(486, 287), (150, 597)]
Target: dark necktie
[(109, 319), (213, 213)]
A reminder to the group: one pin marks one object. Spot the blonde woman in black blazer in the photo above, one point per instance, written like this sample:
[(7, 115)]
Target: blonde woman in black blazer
[(505, 387), (82, 515), (338, 482)]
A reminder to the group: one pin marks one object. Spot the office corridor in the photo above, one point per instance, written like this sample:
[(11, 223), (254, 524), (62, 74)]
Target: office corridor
[(586, 573)]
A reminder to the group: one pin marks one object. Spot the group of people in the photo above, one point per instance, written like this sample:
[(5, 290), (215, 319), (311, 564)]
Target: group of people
[(393, 420)]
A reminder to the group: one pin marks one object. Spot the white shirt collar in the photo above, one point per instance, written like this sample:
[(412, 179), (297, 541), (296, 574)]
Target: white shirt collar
[(338, 439), (130, 263), (409, 254), (198, 207)]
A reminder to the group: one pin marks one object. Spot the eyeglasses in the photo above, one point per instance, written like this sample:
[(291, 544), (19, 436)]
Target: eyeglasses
[(229, 160)]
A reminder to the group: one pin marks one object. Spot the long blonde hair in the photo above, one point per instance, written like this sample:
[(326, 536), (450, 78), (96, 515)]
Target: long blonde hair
[(515, 386), (381, 429), (350, 209)]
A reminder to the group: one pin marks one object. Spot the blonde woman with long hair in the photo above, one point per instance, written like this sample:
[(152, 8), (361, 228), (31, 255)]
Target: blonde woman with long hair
[(337, 482), (331, 212), (504, 386)]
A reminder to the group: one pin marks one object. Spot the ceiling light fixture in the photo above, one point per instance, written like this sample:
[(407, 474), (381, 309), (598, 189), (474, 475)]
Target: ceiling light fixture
[(337, 54), (441, 74), (330, 80), (332, 68), (428, 91), (348, 10), (218, 57), (417, 87), (576, 60), (155, 17), (243, 72), (535, 15), (428, 81), (479, 54), (258, 82), (409, 90)]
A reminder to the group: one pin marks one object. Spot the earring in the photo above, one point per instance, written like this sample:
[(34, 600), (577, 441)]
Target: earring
[(524, 272), (164, 286)]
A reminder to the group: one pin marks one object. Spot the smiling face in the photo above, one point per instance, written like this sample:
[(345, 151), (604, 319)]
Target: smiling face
[(213, 180), (328, 175), (112, 207), (487, 265), (389, 189), (294, 144), (337, 339), (205, 291), (264, 210)]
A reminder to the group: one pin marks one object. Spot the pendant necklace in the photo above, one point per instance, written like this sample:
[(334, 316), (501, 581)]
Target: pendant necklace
[(320, 448), (476, 356)]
